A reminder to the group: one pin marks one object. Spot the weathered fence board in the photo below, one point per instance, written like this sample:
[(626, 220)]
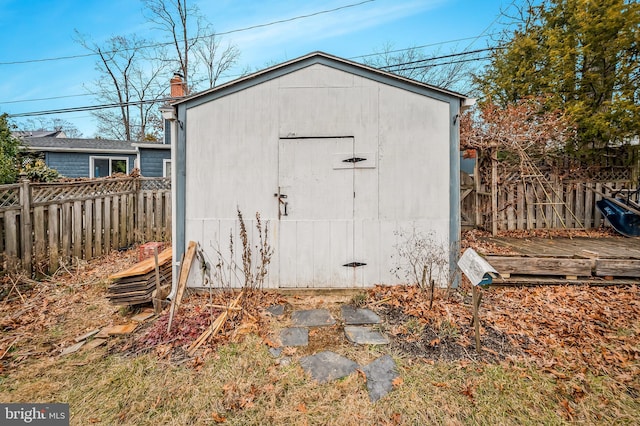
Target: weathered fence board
[(44, 225), (520, 205)]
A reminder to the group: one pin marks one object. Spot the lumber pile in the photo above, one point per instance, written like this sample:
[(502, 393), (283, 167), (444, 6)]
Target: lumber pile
[(136, 285)]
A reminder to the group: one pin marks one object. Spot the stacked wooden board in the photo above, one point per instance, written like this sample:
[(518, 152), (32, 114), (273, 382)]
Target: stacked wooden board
[(136, 284)]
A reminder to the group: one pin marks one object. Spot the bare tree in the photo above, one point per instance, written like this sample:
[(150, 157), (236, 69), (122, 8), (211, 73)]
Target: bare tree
[(194, 42), (130, 77), (47, 123), (184, 24), (215, 60), (451, 73)]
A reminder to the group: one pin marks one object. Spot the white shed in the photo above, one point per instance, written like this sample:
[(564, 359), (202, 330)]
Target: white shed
[(339, 159)]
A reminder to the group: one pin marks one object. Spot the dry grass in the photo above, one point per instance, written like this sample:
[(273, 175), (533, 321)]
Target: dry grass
[(240, 383)]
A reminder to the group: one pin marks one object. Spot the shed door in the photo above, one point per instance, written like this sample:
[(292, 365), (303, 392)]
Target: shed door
[(316, 187)]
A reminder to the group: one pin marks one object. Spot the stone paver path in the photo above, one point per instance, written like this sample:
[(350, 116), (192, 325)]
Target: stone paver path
[(312, 318), (353, 316), (326, 365), (380, 376), (364, 335)]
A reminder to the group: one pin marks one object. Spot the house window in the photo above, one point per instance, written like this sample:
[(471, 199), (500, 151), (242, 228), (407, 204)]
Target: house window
[(166, 168), (106, 166)]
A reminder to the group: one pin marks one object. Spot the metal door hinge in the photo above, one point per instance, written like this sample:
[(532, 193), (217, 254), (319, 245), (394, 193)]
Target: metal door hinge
[(354, 264)]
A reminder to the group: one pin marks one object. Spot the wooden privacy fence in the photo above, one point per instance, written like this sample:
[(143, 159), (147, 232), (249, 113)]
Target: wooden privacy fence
[(45, 224), (525, 205)]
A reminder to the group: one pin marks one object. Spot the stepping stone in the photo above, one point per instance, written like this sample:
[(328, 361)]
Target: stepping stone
[(295, 336), (353, 316), (326, 366), (275, 352), (276, 310), (364, 336), (312, 318), (380, 376)]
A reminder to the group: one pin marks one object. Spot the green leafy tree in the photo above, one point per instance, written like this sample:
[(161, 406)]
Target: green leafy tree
[(9, 147), (583, 56)]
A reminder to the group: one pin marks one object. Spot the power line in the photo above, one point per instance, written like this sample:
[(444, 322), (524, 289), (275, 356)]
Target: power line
[(423, 46), (89, 108), (45, 99), (252, 27), (451, 55), (441, 63)]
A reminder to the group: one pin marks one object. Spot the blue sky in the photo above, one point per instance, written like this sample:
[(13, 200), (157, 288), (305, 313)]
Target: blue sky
[(41, 29)]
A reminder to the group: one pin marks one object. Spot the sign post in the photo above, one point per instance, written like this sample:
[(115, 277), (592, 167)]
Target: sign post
[(479, 272)]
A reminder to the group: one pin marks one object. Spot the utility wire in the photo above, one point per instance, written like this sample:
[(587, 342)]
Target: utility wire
[(89, 108), (451, 55), (421, 47), (252, 27)]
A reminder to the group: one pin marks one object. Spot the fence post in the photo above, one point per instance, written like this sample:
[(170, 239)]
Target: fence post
[(25, 223), (494, 191)]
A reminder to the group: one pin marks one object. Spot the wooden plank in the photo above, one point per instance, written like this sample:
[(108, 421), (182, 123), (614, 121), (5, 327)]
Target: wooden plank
[(494, 192), (54, 237), (123, 221), (107, 224), (529, 198), (145, 266), (167, 216), (66, 231), (26, 226), (597, 216), (115, 222), (140, 217), (88, 229), (130, 219), (77, 229), (11, 239), (39, 236), (98, 226), (158, 215), (502, 217), (149, 218), (511, 201), (569, 206), (580, 208), (185, 268), (589, 206), (618, 268), (541, 266), (540, 208), (521, 212)]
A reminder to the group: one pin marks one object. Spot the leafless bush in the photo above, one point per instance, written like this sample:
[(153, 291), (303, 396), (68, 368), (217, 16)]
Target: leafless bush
[(421, 259)]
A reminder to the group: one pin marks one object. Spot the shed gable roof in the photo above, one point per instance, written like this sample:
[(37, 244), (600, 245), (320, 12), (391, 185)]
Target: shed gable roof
[(324, 59)]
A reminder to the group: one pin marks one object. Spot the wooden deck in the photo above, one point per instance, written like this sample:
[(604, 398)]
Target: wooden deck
[(610, 260)]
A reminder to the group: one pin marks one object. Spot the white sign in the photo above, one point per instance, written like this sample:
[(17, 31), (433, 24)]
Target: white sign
[(475, 267)]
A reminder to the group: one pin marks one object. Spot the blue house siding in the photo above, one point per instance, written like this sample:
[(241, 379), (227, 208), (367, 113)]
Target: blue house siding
[(76, 164), (151, 161)]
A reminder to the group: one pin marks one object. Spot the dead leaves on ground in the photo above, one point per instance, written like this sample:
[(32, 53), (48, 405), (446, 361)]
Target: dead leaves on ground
[(566, 330)]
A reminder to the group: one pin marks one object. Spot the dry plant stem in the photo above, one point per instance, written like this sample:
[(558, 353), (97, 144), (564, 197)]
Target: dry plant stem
[(215, 326)]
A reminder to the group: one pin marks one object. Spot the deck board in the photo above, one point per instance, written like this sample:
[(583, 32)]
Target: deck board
[(578, 256)]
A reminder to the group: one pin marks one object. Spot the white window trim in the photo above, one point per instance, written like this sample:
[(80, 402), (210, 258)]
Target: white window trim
[(164, 166), (106, 157)]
